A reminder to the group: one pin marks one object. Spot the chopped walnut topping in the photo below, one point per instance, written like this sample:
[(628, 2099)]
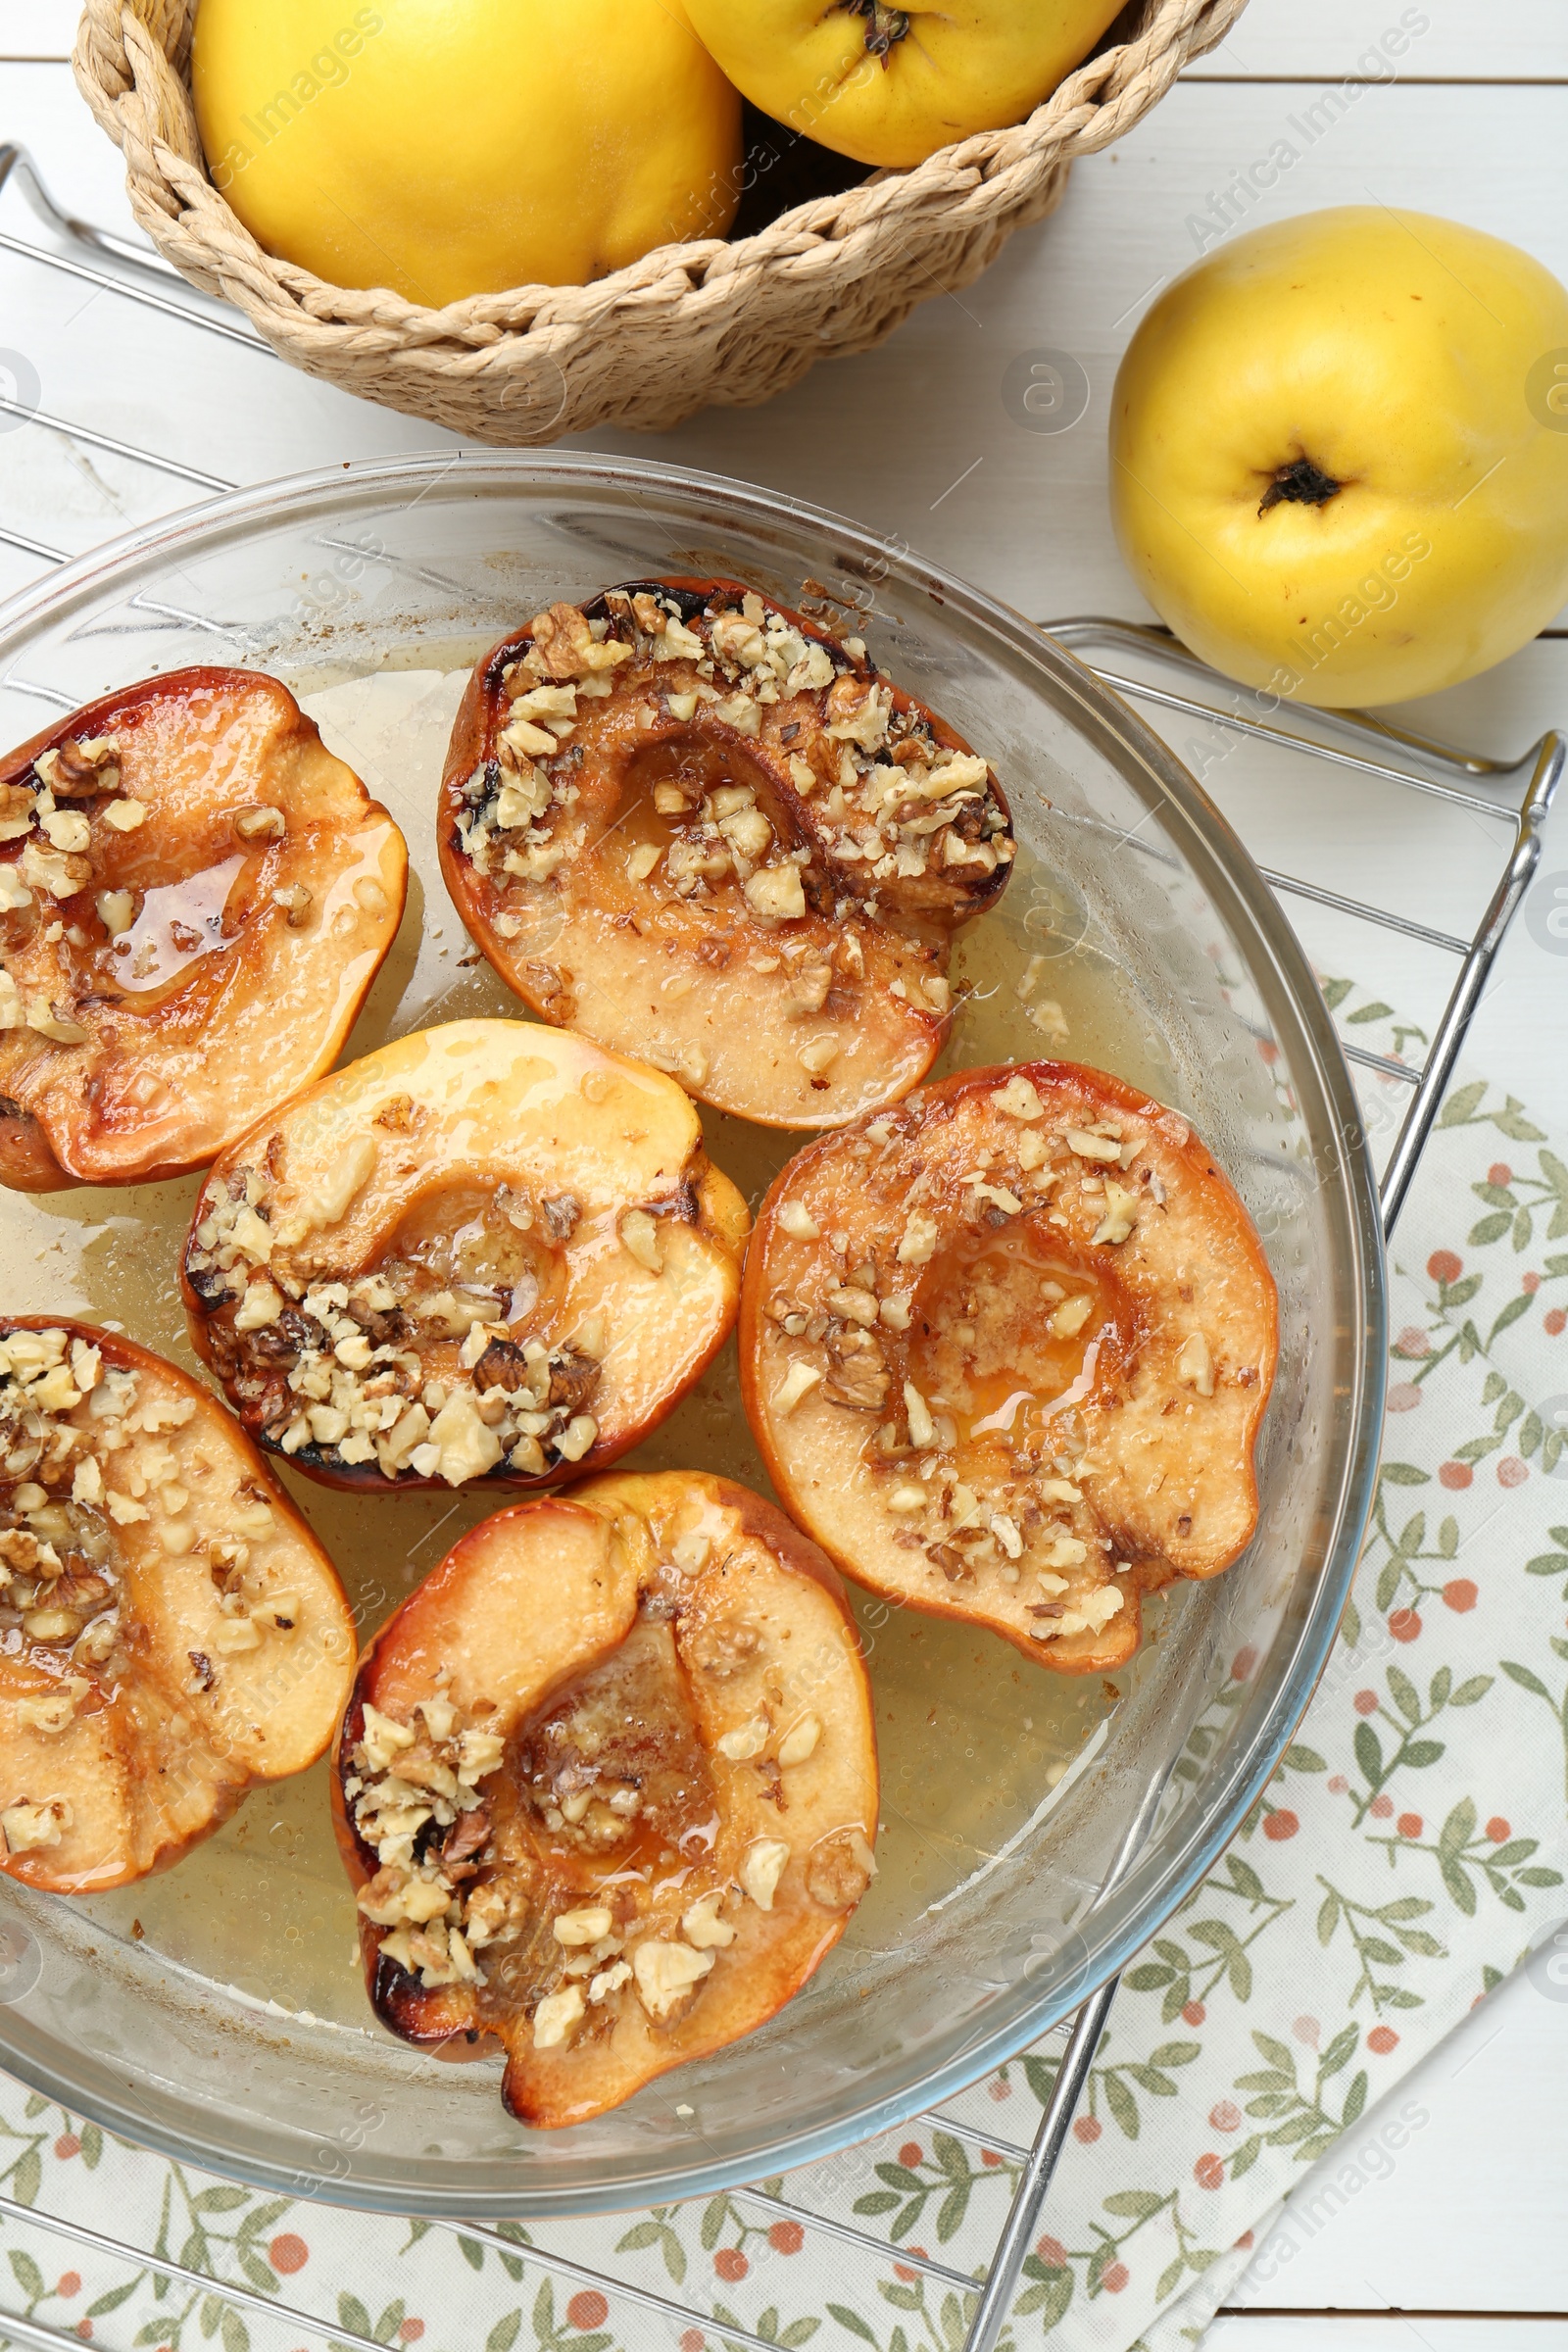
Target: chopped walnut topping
[(641, 1238), (701, 1925), (747, 1742), (1071, 1316), (564, 647), (761, 1868), (797, 1381), (610, 1980), (55, 871), (919, 1239), (582, 1927), (922, 1428), (1195, 1365), (1121, 1214), (260, 823), (66, 829), (81, 766), (666, 1974), (27, 1826), (839, 1869), (403, 1779), (855, 1305), (555, 2017), (776, 891), (338, 1368), (800, 1742), (859, 1377), (1018, 1099)]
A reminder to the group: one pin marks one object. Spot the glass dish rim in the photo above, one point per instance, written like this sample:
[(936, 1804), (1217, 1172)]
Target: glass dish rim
[(1226, 865)]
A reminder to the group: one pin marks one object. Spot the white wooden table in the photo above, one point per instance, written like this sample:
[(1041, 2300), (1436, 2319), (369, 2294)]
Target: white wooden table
[(1463, 2245)]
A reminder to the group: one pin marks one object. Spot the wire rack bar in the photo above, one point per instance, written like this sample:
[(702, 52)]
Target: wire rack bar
[(37, 2334), (1144, 637), (16, 163), (118, 449), (1373, 746), (847, 2235), (646, 2297), (973, 2138), (1460, 1009), (1367, 914), (1001, 2280), (44, 694), (1383, 1064), (142, 294), (1280, 736), (1539, 771), (81, 2233), (34, 547)]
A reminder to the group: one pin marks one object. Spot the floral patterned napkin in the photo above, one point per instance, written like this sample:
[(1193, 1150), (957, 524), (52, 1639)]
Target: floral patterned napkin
[(1408, 1852)]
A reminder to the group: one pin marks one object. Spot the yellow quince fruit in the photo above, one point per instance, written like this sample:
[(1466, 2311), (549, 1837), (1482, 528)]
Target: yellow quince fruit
[(1339, 455), (453, 147), (891, 85)]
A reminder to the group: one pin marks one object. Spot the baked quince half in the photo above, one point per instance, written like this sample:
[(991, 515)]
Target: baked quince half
[(695, 825), (1006, 1350), (489, 1251), (171, 1632), (195, 896), (608, 1786)]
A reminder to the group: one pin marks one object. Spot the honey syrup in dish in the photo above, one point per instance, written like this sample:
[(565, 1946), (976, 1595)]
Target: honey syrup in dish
[(973, 1738)]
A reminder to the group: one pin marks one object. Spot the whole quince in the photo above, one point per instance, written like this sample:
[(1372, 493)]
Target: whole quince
[(1336, 471), (891, 85), (454, 147)]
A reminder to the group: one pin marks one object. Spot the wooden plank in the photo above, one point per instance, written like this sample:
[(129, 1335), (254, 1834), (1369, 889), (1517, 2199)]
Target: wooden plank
[(1345, 2331), (146, 380), (1465, 2212), (916, 439), (41, 106), (1429, 863), (1522, 41), (37, 28)]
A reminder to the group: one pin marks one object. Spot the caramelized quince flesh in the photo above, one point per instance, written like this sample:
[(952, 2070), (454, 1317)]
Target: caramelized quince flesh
[(692, 823), (171, 1632), (490, 1251), (195, 897), (1006, 1350), (607, 1787)]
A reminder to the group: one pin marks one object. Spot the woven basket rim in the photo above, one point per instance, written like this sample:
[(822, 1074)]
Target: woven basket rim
[(121, 41)]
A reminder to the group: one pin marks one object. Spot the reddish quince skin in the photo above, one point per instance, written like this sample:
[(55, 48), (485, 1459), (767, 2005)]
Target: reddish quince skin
[(1010, 1363), (195, 896), (491, 1250), (607, 1787), (174, 1632), (707, 830)]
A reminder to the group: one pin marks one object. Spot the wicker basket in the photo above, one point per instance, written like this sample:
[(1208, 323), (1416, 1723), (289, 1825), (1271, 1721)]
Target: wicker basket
[(687, 324)]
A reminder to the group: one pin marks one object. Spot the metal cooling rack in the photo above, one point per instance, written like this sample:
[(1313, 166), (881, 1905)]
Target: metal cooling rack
[(1514, 795)]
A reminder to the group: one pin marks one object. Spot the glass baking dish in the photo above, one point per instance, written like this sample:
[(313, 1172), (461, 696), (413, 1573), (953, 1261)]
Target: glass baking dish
[(218, 2011)]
